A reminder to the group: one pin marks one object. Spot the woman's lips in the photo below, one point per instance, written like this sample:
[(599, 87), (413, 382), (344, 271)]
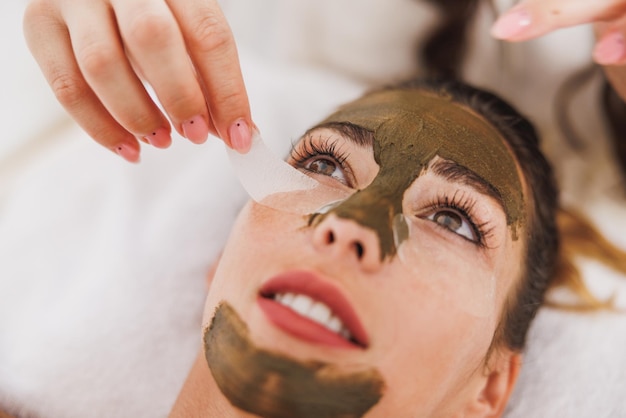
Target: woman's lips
[(310, 308)]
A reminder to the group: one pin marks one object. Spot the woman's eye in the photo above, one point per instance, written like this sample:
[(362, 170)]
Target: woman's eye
[(326, 167), (454, 222)]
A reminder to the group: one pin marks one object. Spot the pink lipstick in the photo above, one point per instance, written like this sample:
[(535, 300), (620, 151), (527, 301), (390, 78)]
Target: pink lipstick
[(313, 309)]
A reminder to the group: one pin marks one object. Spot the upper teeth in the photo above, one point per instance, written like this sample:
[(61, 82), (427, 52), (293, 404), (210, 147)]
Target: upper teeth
[(313, 310)]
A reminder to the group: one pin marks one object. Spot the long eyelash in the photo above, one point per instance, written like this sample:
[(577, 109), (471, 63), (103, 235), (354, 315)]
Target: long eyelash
[(307, 149), (464, 205)]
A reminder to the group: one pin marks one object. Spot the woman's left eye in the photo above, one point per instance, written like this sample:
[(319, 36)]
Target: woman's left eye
[(454, 222), (326, 167)]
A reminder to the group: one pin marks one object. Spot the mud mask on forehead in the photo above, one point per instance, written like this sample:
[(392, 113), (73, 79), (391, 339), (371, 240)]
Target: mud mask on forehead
[(410, 128)]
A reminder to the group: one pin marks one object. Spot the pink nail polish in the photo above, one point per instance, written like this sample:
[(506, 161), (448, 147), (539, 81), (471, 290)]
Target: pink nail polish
[(240, 136), (159, 138), (127, 152), (611, 49), (196, 130), (511, 24)]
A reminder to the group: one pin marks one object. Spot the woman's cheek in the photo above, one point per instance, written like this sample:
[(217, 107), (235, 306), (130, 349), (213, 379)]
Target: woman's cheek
[(426, 345)]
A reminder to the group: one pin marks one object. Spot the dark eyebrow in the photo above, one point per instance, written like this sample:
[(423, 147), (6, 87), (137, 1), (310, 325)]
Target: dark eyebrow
[(454, 172), (355, 134)]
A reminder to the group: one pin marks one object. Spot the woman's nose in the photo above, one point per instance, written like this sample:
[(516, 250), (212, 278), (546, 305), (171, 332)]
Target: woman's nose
[(345, 239)]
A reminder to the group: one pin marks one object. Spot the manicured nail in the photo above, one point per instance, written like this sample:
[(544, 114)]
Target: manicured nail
[(240, 136), (196, 130), (159, 138), (611, 49), (130, 154), (511, 24)]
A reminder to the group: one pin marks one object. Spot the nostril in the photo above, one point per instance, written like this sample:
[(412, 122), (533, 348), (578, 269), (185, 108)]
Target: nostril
[(358, 247), (330, 238)]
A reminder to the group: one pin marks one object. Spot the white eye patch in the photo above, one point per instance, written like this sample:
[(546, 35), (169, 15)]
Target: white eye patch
[(272, 182)]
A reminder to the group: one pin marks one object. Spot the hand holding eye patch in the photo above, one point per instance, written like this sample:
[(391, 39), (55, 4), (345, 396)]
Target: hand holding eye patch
[(96, 53), (530, 19)]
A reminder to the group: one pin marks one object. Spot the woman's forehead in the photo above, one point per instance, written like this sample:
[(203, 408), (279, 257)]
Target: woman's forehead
[(412, 127)]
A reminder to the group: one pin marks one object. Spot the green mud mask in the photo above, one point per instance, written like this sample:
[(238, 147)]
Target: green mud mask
[(411, 128), (273, 385)]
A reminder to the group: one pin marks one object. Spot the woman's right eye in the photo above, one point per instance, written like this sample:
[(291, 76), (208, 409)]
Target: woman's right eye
[(454, 222), (322, 156), (326, 167)]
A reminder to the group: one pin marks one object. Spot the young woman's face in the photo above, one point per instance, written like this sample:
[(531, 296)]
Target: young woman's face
[(420, 313)]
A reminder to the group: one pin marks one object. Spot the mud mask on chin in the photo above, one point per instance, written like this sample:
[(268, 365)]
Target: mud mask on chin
[(273, 385)]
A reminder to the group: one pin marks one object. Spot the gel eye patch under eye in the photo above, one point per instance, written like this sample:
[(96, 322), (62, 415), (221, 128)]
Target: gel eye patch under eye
[(267, 178)]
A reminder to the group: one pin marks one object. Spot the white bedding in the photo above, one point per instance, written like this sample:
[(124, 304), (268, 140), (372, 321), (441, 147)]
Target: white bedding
[(103, 264)]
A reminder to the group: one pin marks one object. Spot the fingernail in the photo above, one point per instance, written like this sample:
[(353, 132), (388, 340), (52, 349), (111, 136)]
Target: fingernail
[(610, 49), (511, 24), (240, 136), (127, 152), (196, 130), (159, 138)]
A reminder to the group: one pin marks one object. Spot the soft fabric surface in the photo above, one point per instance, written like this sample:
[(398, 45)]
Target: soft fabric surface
[(103, 264)]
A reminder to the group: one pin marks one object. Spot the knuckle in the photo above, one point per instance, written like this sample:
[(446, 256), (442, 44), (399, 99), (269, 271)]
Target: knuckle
[(181, 102), (232, 101), (141, 122), (35, 9), (97, 59), (210, 32), (149, 30), (38, 16), (32, 13), (68, 89), (613, 9)]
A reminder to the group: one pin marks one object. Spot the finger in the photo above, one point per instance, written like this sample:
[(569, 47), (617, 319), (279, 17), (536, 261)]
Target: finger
[(106, 68), (156, 45), (533, 18), (213, 51), (610, 49), (49, 42)]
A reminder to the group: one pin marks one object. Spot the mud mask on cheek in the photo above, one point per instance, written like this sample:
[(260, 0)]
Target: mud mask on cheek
[(273, 385)]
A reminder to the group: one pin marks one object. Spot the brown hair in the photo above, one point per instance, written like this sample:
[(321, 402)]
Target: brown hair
[(615, 112), (580, 239), (443, 52)]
